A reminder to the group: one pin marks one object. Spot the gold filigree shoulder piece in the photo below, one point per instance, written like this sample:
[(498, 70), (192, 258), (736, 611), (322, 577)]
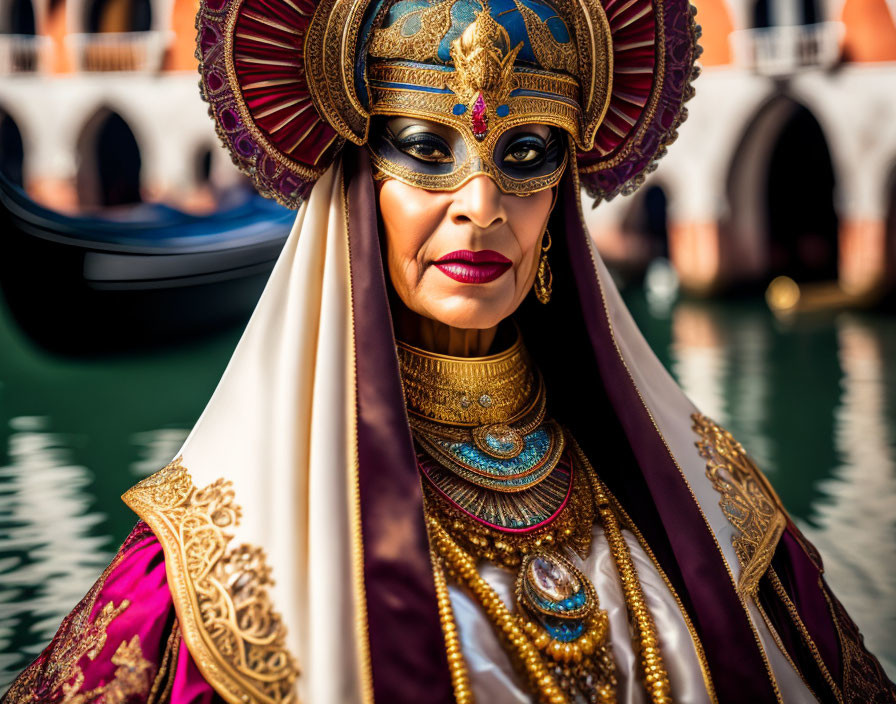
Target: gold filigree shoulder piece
[(220, 591), (748, 500)]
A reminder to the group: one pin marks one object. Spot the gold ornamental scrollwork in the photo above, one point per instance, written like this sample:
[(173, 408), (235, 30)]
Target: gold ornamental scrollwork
[(748, 501), (220, 591)]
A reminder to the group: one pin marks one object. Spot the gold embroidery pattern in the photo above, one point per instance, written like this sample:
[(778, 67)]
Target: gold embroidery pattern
[(794, 614), (550, 53), (393, 43), (132, 678), (864, 681), (77, 637), (332, 41), (221, 592), (164, 680), (748, 501)]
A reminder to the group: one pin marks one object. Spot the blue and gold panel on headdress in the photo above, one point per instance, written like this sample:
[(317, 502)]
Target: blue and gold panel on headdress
[(478, 65), (472, 63)]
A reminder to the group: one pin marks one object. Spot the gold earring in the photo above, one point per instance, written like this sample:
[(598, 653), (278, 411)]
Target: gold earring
[(544, 280)]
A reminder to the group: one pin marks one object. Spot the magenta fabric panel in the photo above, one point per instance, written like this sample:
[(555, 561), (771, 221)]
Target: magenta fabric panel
[(137, 582), (114, 641), (189, 685)]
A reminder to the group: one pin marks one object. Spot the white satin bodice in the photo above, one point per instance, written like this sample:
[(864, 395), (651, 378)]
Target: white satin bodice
[(494, 680)]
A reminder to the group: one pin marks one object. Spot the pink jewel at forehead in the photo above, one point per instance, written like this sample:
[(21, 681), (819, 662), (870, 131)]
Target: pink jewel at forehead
[(480, 119)]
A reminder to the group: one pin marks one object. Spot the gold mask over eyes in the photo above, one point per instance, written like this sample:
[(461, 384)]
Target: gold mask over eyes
[(480, 67), (477, 102)]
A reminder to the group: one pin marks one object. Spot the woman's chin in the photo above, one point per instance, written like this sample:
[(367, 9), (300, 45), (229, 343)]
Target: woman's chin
[(471, 312)]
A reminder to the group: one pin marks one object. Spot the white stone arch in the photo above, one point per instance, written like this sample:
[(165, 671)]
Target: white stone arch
[(858, 114), (890, 222), (27, 132), (4, 116), (744, 229), (88, 150)]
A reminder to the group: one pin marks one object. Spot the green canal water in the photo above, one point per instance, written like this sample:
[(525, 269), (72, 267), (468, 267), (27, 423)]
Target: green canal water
[(814, 403)]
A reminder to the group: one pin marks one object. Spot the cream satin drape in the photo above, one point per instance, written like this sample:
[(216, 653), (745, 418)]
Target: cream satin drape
[(280, 426)]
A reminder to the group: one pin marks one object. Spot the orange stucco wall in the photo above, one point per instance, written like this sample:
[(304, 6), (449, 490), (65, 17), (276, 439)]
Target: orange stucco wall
[(870, 32), (56, 29), (713, 17), (183, 21)]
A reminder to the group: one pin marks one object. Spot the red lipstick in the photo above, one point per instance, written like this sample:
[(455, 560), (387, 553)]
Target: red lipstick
[(473, 267)]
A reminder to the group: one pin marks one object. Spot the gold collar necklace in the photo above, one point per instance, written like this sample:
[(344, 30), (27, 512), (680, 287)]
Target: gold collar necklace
[(469, 391), (482, 411), (482, 421)]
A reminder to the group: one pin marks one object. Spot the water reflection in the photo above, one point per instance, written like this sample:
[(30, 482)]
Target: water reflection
[(155, 448), (49, 554), (722, 362), (773, 388), (74, 435), (855, 524)]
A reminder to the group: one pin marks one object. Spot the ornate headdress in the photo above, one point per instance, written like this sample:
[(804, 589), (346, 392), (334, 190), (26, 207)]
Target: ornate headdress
[(289, 81)]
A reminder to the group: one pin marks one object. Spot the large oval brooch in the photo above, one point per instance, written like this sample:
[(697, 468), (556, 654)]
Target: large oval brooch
[(559, 611)]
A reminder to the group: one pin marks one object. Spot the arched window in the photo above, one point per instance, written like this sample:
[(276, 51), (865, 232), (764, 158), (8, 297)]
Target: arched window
[(119, 16), (109, 162), (762, 13), (802, 223), (12, 150), (202, 166), (20, 18), (890, 228), (781, 193), (647, 218)]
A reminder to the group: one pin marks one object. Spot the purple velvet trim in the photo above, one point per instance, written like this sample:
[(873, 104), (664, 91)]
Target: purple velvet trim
[(407, 648), (279, 177), (802, 580), (680, 47), (717, 613)]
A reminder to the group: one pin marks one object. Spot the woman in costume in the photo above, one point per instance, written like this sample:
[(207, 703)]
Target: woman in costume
[(443, 465)]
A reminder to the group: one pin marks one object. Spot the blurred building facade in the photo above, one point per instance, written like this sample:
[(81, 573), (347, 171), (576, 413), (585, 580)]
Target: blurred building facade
[(787, 163), (100, 107)]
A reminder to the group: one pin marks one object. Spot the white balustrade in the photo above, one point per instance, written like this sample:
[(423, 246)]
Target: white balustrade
[(778, 51), (24, 53), (119, 51)]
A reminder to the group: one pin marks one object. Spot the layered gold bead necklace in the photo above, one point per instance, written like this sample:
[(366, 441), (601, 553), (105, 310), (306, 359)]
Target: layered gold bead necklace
[(506, 484)]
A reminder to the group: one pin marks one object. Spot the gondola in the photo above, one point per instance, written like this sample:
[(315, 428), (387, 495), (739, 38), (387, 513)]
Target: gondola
[(146, 276)]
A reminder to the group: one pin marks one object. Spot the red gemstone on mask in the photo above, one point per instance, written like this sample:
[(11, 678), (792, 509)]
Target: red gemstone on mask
[(480, 118)]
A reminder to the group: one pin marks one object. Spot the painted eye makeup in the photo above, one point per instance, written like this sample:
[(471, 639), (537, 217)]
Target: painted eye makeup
[(526, 152), (425, 146)]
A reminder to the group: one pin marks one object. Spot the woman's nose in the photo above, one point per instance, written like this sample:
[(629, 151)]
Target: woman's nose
[(479, 202)]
